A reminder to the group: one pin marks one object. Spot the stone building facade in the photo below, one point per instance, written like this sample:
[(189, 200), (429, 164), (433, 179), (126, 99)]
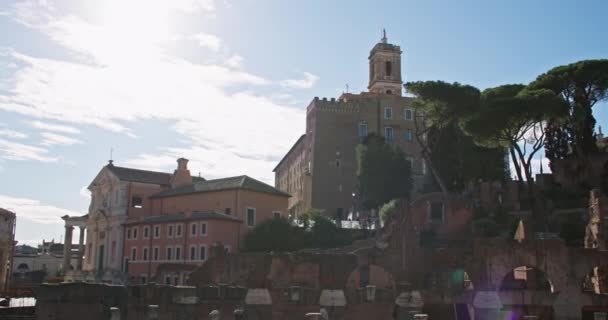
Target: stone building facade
[(320, 169), (141, 219), (8, 221), (181, 224)]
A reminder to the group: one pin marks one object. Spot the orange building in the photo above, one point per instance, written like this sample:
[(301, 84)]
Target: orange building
[(139, 220), (180, 224)]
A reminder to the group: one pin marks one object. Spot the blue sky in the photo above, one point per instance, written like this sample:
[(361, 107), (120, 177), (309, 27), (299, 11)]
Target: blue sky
[(225, 83)]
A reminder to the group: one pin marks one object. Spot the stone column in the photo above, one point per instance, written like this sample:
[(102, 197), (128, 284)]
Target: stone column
[(67, 248), (80, 249)]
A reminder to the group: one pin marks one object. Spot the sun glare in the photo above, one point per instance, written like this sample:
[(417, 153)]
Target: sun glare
[(132, 29)]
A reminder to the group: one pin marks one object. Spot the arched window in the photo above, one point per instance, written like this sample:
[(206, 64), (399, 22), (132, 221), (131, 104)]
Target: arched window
[(389, 68)]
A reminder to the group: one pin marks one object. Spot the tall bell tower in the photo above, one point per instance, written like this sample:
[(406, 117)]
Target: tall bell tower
[(385, 68)]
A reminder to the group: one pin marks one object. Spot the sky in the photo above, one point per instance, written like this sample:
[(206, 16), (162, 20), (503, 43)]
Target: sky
[(225, 83)]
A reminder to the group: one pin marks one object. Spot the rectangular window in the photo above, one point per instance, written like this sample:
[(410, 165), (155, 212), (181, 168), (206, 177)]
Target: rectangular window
[(388, 113), (203, 228), (135, 233), (167, 280), (143, 279), (408, 114), (227, 248), (145, 254), (192, 253), (362, 131), (388, 134), (169, 253), (133, 254), (146, 232), (193, 229), (436, 213), (227, 211), (156, 254), (156, 232), (137, 202), (276, 214), (178, 253), (408, 135), (175, 280), (203, 255), (178, 231), (170, 231), (250, 217), (128, 233)]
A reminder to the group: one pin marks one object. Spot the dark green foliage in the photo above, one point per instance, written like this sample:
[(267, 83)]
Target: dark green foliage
[(279, 235), (510, 117), (383, 172), (453, 155), (325, 234), (275, 234), (581, 84), (459, 160), (388, 209)]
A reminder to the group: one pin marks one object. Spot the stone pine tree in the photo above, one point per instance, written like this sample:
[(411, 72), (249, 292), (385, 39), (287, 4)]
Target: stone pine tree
[(509, 116), (383, 172), (451, 156), (581, 84)]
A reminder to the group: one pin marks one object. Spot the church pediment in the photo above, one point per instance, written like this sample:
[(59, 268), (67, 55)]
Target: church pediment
[(104, 179)]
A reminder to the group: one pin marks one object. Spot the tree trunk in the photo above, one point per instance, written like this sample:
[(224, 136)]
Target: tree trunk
[(534, 198)]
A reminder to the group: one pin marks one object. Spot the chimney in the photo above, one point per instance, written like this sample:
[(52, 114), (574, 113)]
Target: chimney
[(181, 175)]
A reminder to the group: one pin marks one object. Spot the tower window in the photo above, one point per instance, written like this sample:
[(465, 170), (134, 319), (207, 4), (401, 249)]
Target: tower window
[(362, 131), (408, 135), (388, 134), (388, 113), (389, 68), (407, 114)]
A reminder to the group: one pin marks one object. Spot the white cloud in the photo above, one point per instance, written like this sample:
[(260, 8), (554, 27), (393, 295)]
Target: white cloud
[(22, 152), (53, 127), (35, 211), (228, 129), (49, 139), (205, 40), (12, 134), (84, 192), (235, 61), (307, 82)]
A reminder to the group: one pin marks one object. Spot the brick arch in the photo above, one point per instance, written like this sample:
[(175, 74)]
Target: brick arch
[(495, 259), (513, 274)]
